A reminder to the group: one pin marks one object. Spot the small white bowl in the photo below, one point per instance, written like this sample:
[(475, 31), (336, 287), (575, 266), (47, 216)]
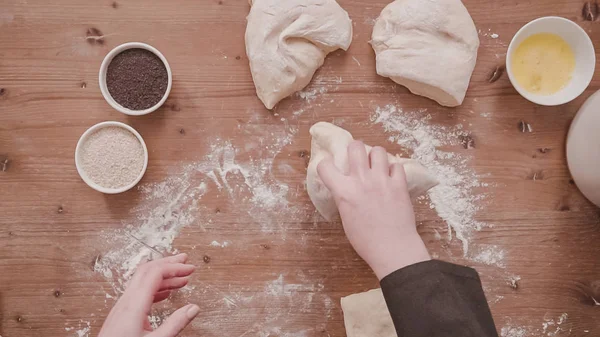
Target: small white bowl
[(585, 58), (104, 67), (82, 173)]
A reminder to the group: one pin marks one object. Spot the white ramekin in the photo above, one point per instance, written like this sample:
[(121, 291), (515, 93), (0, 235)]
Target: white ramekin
[(585, 58), (82, 173), (104, 67)]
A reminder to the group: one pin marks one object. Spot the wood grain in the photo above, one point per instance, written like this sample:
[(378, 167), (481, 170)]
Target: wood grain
[(53, 227)]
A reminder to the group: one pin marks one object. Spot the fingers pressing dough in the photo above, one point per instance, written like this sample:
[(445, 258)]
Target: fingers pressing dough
[(331, 140), (429, 46), (288, 40)]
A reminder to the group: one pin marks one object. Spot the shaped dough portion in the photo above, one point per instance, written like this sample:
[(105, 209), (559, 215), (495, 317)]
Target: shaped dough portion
[(367, 315), (428, 46), (331, 140), (287, 41)]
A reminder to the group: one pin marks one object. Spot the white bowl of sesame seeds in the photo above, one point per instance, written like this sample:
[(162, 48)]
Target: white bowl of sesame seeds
[(111, 157)]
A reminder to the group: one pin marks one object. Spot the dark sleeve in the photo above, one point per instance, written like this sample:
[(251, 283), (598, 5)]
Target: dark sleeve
[(438, 299)]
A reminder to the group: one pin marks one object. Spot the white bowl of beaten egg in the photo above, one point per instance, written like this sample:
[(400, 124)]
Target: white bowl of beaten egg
[(551, 61)]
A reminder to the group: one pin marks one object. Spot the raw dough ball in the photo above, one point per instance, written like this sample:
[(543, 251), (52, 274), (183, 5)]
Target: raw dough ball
[(583, 143), (428, 46), (331, 140), (287, 41), (367, 315)]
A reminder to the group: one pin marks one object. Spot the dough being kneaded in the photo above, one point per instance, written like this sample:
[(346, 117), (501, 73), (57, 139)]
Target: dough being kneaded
[(331, 140), (428, 46), (287, 41)]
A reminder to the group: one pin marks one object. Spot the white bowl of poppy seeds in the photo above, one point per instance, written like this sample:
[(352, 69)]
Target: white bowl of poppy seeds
[(135, 78), (111, 157)]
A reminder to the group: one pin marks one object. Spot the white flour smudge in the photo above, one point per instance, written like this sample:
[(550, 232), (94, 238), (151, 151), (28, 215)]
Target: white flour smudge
[(552, 327), (454, 198), (488, 33), (513, 281), (173, 204), (549, 328), (319, 86), (222, 245), (497, 298), (82, 330), (251, 183), (312, 94), (490, 255), (283, 302), (513, 331), (169, 206)]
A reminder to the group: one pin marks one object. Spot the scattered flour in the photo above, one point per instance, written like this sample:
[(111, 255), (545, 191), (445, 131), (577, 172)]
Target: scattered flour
[(82, 330), (222, 245), (312, 94), (552, 327), (251, 185), (549, 328), (497, 298), (454, 199), (488, 33), (311, 97), (169, 206), (319, 86), (299, 112), (244, 174), (513, 281), (490, 255), (513, 331), (279, 288), (284, 301), (173, 204)]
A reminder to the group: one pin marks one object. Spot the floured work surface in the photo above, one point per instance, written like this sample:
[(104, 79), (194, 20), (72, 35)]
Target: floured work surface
[(225, 177)]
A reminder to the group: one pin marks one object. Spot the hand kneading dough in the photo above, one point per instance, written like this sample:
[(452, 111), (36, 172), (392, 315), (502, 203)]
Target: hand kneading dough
[(367, 315), (428, 46), (331, 140), (287, 41)]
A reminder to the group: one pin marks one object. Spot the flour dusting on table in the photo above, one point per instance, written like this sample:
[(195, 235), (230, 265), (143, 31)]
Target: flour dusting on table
[(173, 204), (250, 182), (553, 327), (167, 208), (83, 329), (284, 301), (550, 327), (454, 199), (491, 255), (513, 331)]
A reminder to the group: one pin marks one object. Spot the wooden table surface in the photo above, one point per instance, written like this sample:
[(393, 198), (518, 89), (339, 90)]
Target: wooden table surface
[(274, 268)]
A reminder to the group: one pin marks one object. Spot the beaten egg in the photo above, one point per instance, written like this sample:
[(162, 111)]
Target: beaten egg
[(543, 63)]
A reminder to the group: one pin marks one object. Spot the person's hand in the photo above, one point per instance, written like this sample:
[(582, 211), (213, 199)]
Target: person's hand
[(152, 283), (375, 208)]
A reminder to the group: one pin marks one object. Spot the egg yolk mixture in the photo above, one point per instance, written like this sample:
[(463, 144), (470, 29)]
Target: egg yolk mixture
[(543, 63)]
